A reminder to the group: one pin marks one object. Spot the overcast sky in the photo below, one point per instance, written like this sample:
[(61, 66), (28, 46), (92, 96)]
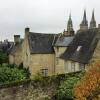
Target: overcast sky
[(49, 16)]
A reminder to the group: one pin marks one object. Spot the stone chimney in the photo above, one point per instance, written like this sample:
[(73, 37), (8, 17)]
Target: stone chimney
[(16, 39), (27, 31), (99, 26)]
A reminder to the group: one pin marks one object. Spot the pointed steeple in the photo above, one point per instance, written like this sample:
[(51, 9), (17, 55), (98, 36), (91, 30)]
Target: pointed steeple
[(70, 30), (84, 23), (70, 24), (93, 22)]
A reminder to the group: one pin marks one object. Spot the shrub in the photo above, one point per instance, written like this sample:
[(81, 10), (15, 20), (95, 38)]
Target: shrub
[(65, 90), (89, 83), (3, 57), (20, 67), (8, 74)]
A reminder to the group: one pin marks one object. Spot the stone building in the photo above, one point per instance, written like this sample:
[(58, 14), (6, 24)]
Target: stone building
[(15, 55), (50, 54), (6, 46)]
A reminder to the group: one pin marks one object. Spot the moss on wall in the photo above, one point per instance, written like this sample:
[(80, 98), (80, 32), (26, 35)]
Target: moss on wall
[(44, 88)]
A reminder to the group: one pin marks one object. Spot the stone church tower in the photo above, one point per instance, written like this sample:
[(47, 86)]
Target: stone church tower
[(84, 23), (93, 22), (70, 30)]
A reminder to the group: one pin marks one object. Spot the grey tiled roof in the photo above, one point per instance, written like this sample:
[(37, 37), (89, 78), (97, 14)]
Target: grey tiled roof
[(15, 47), (41, 43), (88, 40), (64, 41)]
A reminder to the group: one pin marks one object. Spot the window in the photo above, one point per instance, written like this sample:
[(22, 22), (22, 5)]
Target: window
[(78, 48), (82, 66), (72, 67), (44, 72), (66, 67), (57, 60)]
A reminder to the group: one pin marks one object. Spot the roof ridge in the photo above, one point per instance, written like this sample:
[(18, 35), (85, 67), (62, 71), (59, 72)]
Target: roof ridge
[(43, 33)]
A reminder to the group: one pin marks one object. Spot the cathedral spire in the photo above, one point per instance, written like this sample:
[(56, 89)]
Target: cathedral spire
[(70, 31), (93, 22), (84, 23), (70, 24), (84, 17)]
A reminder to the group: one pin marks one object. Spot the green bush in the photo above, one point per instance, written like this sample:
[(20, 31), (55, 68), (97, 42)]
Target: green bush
[(65, 90), (20, 67), (3, 57), (10, 74)]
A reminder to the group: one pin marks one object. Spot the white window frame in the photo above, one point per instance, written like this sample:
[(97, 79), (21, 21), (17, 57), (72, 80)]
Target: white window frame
[(72, 66), (57, 60), (82, 66), (44, 72)]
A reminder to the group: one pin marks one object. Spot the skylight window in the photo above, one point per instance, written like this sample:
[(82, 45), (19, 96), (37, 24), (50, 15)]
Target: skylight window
[(79, 48)]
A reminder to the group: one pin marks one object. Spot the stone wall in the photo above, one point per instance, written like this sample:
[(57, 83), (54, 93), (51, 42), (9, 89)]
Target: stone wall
[(16, 57), (42, 61), (32, 90), (59, 63), (96, 55)]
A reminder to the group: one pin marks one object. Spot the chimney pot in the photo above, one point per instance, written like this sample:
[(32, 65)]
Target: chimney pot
[(27, 31), (17, 39)]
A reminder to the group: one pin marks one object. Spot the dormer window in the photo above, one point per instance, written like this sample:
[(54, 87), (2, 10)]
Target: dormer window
[(79, 48)]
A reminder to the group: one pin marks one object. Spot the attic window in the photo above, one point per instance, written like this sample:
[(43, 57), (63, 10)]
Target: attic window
[(78, 48)]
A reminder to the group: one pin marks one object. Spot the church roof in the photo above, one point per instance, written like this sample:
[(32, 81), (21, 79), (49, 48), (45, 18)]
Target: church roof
[(82, 47), (64, 41), (41, 43)]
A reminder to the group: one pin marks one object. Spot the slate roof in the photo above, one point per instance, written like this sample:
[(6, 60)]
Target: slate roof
[(6, 45), (64, 41), (15, 47), (41, 43), (87, 39)]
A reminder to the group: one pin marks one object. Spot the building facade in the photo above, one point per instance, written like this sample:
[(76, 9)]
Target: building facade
[(50, 54)]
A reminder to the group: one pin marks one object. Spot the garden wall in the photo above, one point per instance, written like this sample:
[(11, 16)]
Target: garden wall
[(30, 90)]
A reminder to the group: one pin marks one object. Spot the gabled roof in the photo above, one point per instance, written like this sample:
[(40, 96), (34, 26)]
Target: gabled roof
[(15, 47), (41, 43), (88, 42), (64, 41)]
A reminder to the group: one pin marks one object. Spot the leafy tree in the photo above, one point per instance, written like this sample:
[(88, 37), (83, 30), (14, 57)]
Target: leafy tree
[(89, 83)]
